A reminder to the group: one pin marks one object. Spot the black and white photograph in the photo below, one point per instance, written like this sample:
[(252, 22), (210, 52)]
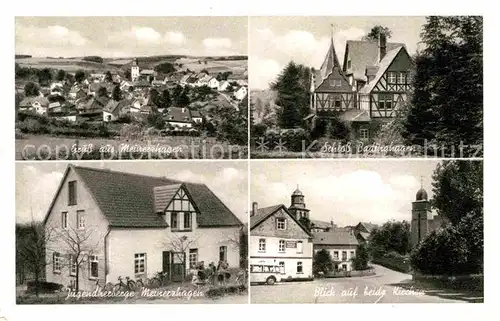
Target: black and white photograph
[(342, 87), (131, 232), (131, 88), (366, 231)]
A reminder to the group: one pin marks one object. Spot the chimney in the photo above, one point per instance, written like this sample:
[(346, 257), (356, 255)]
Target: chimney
[(255, 206), (382, 45)]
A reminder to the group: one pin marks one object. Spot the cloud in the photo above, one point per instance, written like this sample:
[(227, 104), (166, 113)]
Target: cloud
[(42, 187), (51, 36), (144, 35), (263, 72), (217, 43), (360, 195), (175, 38), (298, 45)]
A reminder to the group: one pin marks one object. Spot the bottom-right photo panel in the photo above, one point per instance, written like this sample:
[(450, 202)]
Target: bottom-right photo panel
[(366, 231)]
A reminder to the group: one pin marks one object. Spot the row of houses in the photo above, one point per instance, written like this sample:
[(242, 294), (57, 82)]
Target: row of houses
[(279, 240)]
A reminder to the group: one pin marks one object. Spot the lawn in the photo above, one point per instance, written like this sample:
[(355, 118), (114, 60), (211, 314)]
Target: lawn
[(40, 147)]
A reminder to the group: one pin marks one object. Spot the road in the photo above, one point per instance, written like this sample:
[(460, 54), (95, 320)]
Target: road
[(387, 286)]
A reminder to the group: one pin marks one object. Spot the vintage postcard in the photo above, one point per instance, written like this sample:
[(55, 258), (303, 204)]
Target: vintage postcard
[(131, 88), (342, 87), (366, 232), (131, 232)]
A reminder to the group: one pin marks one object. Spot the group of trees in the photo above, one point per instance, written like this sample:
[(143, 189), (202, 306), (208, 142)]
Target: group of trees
[(323, 262), (447, 101), (458, 247), (392, 236)]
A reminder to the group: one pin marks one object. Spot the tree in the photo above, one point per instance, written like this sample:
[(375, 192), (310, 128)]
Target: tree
[(458, 189), (44, 76), (292, 86), (154, 96), (117, 93), (78, 245), (377, 30), (164, 100), (128, 74), (360, 261), (31, 241), (79, 75), (448, 84), (61, 75), (183, 99), (155, 120), (179, 245), (393, 236), (322, 262), (102, 92), (108, 76), (31, 89), (165, 68), (176, 93)]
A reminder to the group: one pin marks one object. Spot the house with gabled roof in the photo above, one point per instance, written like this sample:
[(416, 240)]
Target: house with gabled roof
[(178, 117), (134, 226), (368, 90), (341, 243), (279, 241)]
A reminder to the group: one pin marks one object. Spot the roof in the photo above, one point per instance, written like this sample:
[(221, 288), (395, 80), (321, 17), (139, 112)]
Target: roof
[(111, 106), (368, 226), (355, 115), (335, 237), (321, 224), (141, 83), (363, 54), (147, 72), (330, 61), (382, 67), (421, 195), (195, 114), (127, 200), (178, 114), (261, 214), (28, 101)]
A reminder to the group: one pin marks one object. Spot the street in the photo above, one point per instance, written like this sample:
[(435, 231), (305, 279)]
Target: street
[(387, 286)]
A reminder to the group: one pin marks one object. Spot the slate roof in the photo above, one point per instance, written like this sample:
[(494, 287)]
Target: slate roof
[(176, 114), (335, 237), (261, 214), (321, 224), (363, 54), (330, 61), (127, 200)]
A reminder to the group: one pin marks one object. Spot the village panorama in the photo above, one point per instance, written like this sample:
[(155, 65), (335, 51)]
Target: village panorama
[(157, 105)]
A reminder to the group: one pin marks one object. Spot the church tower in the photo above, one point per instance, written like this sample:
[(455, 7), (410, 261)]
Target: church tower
[(419, 217), (134, 70), (298, 207)]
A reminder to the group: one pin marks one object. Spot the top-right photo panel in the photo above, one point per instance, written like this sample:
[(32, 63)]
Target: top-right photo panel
[(357, 87)]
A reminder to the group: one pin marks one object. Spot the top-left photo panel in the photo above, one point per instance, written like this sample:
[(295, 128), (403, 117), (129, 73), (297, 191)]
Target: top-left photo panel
[(109, 88)]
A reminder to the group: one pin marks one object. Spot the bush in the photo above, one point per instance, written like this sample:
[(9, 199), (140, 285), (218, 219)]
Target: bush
[(360, 262), (43, 287), (322, 262), (291, 139), (93, 59)]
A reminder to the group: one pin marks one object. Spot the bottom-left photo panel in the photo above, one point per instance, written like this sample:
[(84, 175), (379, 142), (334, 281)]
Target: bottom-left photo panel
[(132, 232)]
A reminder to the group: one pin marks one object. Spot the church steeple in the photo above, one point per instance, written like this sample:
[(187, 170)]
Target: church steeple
[(331, 60), (298, 206)]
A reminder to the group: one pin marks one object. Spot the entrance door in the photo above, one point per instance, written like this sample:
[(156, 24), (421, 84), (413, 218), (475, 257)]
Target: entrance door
[(178, 267), (167, 263)]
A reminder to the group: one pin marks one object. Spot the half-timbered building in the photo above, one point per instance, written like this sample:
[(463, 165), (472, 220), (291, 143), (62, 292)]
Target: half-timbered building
[(368, 90)]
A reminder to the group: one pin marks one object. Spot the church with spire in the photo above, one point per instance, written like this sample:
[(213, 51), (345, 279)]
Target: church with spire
[(423, 221), (367, 90)]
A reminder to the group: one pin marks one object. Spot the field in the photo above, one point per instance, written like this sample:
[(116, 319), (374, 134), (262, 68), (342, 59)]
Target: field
[(238, 67), (39, 147), (66, 64)]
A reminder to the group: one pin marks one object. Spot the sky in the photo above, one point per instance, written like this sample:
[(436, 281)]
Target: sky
[(130, 36), (346, 192), (36, 183), (275, 41)]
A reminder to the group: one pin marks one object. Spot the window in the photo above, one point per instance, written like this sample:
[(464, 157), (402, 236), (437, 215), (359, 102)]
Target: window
[(193, 258), (344, 267), (352, 254), (139, 263), (391, 77), (80, 217), (187, 220), (299, 267), (281, 246), (174, 224), (282, 267), (299, 247), (93, 267), (64, 219), (348, 64), (262, 245), (281, 223), (223, 253), (72, 265), (385, 102), (336, 255), (402, 78), (344, 255), (337, 103), (72, 193), (56, 262), (363, 133)]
